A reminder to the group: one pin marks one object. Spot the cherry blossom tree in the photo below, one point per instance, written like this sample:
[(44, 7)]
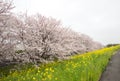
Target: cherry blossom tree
[(37, 38), (6, 34)]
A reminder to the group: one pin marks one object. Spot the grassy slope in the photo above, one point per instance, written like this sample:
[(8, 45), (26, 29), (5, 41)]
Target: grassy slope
[(85, 67)]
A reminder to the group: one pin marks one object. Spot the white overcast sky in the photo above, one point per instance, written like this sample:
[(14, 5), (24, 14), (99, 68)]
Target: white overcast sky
[(100, 19)]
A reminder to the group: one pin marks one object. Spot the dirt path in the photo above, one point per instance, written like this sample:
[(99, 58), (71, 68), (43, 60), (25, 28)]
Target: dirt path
[(112, 72)]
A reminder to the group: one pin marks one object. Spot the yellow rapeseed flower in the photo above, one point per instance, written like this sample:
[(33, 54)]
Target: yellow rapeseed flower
[(56, 78), (34, 78), (46, 69), (38, 71), (49, 76)]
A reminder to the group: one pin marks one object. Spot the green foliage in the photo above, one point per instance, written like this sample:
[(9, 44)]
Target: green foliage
[(4, 71), (110, 45), (19, 51), (85, 67)]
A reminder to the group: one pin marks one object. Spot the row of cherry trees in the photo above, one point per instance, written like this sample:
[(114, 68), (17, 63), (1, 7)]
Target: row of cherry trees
[(36, 38)]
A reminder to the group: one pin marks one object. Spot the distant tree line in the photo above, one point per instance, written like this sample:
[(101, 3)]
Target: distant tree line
[(35, 39), (110, 45)]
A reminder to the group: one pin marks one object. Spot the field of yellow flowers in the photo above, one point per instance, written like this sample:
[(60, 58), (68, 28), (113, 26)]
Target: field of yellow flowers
[(83, 67)]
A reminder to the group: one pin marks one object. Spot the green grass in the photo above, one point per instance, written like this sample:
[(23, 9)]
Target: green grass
[(84, 67)]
